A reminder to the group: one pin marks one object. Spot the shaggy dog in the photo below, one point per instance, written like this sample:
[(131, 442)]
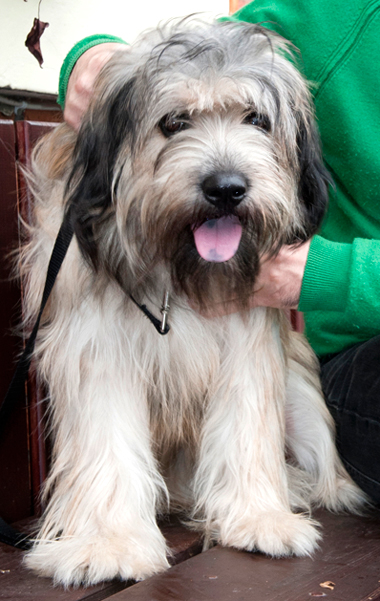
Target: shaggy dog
[(198, 155)]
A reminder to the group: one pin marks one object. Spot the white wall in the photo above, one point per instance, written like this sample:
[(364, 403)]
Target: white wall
[(71, 20)]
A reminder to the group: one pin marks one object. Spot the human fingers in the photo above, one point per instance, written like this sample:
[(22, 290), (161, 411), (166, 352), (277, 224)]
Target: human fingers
[(82, 80)]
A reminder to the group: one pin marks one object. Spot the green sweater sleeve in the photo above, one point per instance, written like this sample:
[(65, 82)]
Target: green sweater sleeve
[(363, 300), (340, 294), (327, 276), (74, 54), (344, 278)]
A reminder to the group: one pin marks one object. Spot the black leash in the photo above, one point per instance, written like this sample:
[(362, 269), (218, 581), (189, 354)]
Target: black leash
[(17, 384), (8, 534)]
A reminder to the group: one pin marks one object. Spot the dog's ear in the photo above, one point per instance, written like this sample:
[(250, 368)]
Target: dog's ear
[(108, 124), (314, 179)]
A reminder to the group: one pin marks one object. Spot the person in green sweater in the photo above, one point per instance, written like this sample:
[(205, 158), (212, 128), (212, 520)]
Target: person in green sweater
[(334, 278)]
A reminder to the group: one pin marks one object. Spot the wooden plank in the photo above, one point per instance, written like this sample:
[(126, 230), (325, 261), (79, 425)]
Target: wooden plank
[(349, 557), (19, 584), (374, 596)]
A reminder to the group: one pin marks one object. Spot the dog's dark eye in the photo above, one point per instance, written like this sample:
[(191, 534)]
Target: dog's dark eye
[(258, 120), (172, 124)]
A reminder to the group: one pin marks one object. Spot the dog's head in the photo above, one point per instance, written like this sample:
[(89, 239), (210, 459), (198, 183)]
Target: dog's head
[(199, 154)]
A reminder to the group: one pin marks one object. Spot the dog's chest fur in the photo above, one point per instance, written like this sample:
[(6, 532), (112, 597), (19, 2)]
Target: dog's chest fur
[(200, 359)]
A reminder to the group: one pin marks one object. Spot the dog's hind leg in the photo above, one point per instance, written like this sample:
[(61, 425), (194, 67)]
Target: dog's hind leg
[(310, 434), (241, 484), (105, 487)]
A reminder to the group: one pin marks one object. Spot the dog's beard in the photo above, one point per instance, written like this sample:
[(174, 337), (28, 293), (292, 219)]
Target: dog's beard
[(206, 282), (171, 242)]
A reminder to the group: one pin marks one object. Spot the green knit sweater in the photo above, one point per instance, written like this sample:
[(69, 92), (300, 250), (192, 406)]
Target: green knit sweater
[(340, 49)]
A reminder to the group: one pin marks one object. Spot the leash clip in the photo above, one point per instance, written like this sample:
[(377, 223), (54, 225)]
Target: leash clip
[(164, 312)]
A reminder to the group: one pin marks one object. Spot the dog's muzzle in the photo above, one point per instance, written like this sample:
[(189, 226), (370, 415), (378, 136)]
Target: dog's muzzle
[(217, 239)]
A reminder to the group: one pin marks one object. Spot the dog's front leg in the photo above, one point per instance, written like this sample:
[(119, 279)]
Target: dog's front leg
[(105, 487), (241, 483)]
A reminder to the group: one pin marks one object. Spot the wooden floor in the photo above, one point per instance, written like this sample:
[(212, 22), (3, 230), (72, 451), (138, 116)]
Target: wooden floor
[(346, 568)]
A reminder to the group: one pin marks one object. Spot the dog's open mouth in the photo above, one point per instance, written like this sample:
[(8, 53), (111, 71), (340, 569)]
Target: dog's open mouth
[(217, 240)]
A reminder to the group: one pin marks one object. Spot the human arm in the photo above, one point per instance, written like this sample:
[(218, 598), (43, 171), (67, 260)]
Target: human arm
[(79, 72), (277, 285), (320, 276)]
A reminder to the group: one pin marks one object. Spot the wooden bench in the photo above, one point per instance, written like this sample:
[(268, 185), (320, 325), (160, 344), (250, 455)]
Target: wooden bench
[(346, 568)]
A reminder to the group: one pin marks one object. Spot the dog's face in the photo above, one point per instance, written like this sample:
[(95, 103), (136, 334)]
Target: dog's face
[(199, 154)]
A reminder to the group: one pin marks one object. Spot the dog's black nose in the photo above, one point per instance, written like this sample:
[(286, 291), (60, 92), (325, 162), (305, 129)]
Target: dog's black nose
[(223, 189)]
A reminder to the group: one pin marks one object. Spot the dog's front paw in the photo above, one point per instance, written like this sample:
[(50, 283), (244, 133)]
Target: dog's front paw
[(74, 561), (274, 533)]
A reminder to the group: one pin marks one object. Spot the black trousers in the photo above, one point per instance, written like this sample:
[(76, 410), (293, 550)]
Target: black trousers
[(351, 384)]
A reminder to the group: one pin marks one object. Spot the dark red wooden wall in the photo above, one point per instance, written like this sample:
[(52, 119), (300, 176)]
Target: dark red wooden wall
[(22, 446)]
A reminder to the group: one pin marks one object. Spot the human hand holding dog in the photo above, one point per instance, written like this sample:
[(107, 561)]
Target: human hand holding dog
[(82, 80), (280, 279), (278, 284)]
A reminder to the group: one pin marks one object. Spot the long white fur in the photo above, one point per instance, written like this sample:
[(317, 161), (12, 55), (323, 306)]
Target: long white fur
[(223, 418)]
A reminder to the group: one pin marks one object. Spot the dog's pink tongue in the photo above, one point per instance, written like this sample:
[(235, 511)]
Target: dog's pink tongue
[(217, 240)]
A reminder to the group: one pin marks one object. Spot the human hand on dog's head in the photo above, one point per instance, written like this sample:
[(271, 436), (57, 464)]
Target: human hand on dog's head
[(82, 80), (278, 284)]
